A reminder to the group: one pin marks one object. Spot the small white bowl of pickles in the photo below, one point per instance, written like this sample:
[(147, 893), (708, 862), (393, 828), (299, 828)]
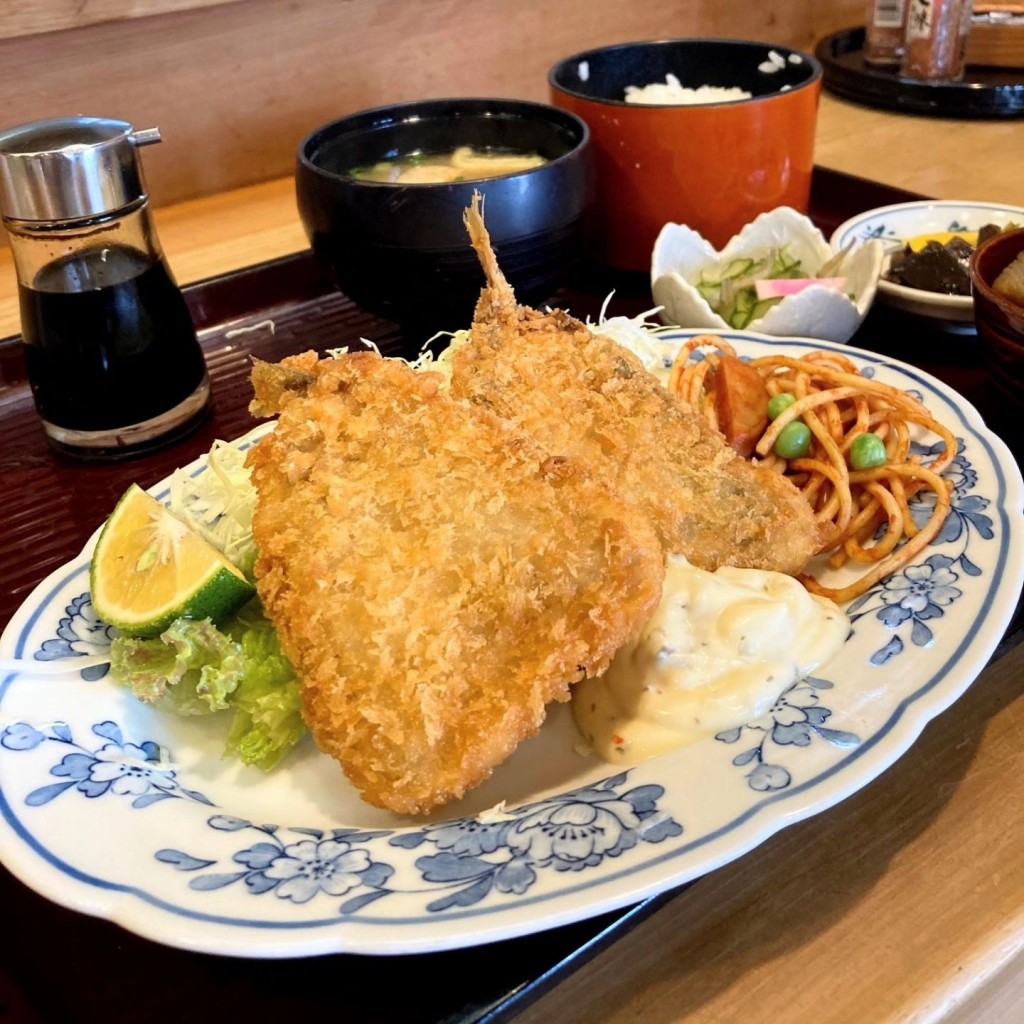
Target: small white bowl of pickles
[(778, 276), (928, 245)]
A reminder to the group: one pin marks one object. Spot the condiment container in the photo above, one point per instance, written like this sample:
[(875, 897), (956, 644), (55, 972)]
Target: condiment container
[(112, 355), (936, 39), (884, 31)]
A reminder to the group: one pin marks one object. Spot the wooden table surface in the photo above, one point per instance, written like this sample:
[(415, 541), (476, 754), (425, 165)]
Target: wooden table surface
[(905, 902)]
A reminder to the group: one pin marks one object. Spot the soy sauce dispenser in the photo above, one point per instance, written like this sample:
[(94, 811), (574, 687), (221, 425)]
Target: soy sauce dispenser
[(112, 355)]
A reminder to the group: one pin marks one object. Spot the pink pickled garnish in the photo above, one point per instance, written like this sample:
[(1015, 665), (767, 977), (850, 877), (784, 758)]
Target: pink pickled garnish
[(794, 286)]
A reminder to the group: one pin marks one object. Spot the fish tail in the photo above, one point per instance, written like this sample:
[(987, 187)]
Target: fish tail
[(497, 300)]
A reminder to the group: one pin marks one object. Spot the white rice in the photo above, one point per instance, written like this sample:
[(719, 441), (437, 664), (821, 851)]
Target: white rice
[(775, 62), (672, 91)]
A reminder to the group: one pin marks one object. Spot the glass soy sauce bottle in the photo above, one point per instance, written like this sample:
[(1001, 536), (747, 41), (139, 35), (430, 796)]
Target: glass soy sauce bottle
[(112, 355)]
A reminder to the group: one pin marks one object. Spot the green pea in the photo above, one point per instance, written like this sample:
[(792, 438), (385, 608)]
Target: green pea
[(794, 440), (779, 403), (867, 452)]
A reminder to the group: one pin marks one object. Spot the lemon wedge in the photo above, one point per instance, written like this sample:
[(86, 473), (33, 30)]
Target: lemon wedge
[(150, 568)]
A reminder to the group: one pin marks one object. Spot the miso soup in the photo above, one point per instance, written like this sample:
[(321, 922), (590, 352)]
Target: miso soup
[(461, 164)]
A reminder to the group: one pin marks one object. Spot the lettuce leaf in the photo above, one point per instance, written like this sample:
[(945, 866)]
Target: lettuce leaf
[(192, 667), (195, 668), (268, 707)]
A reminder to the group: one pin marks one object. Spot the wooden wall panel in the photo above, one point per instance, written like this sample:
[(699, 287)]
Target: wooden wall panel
[(235, 87), (22, 19)]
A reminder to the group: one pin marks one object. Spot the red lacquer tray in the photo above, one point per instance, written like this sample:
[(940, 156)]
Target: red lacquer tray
[(52, 505)]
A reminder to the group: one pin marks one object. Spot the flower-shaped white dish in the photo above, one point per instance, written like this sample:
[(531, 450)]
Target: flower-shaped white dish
[(681, 256), (894, 225), (117, 810)]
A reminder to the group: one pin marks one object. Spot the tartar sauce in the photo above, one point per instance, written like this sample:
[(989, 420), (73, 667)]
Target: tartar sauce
[(718, 651)]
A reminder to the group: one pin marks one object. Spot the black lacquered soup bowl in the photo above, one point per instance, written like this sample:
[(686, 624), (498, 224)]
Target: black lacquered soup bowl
[(401, 250)]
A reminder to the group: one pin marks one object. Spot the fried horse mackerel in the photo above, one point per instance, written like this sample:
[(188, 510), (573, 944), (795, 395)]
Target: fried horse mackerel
[(442, 563), (435, 577), (583, 395)]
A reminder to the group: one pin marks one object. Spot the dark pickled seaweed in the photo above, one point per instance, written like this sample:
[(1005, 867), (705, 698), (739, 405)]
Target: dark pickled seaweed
[(936, 268), (939, 267), (991, 230)]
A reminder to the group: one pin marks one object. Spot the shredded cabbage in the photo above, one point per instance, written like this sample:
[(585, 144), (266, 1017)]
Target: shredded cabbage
[(219, 503), (639, 334), (426, 360), (442, 362)]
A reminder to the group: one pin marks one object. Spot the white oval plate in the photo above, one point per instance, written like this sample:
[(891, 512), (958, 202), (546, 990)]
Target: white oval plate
[(115, 810), (894, 225)]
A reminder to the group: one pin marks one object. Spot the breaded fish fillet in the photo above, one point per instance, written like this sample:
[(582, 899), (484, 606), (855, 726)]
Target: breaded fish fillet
[(589, 398), (435, 577)]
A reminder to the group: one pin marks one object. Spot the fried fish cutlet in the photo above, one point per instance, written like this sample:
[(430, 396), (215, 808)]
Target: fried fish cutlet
[(435, 577), (589, 398)]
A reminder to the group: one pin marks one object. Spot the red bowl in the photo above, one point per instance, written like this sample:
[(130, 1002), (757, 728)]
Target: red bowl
[(1000, 320), (713, 166)]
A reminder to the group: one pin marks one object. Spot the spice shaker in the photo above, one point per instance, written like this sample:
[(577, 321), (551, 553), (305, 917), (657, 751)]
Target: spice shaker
[(883, 32), (936, 39), (113, 359)]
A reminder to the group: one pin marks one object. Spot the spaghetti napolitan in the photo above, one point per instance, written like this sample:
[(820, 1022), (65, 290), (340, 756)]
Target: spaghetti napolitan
[(863, 512)]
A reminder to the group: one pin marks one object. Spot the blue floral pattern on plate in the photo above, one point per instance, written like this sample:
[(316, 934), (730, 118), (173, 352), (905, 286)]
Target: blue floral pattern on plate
[(469, 859), (115, 767), (90, 780), (885, 232), (796, 719), (80, 633), (465, 860), (920, 594)]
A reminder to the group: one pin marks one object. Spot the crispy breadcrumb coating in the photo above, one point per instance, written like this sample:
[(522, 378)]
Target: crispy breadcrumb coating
[(586, 397), (435, 576)]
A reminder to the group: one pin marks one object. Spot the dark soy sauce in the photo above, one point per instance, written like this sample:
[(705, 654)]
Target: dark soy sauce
[(108, 340)]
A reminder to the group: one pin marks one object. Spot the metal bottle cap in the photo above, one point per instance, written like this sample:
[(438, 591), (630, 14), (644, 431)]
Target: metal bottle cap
[(68, 168)]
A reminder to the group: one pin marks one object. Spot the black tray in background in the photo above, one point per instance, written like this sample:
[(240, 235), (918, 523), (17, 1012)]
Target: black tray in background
[(983, 93)]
